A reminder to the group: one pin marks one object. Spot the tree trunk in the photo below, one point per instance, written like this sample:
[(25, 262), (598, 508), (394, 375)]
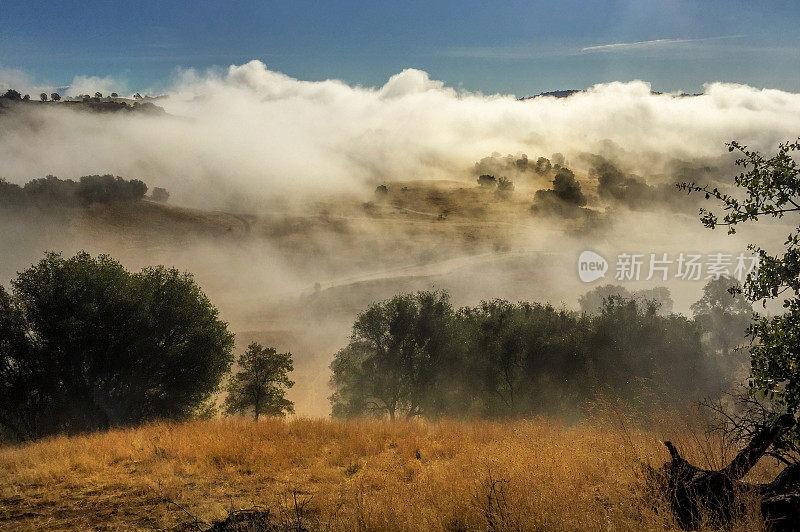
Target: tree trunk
[(695, 494)]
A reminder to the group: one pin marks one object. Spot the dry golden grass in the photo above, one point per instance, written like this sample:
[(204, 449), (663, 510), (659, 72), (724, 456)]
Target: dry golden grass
[(360, 475)]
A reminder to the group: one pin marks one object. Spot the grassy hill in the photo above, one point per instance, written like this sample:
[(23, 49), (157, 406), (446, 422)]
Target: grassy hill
[(364, 475)]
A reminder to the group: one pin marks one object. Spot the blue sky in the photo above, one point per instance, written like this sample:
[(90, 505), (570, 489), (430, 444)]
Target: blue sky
[(509, 47)]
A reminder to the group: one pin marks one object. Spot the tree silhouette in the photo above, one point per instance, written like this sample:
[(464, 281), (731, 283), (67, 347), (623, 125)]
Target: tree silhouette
[(413, 355), (724, 312), (108, 188), (504, 184), (396, 351), (87, 345), (261, 383), (487, 181), (11, 94), (381, 192), (160, 195)]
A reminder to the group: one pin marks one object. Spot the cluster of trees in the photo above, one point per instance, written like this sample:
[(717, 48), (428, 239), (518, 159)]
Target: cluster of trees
[(108, 188), (415, 355), (722, 313), (592, 301), (87, 345), (53, 96), (97, 96), (89, 189), (565, 198), (503, 185), (518, 166), (13, 95), (96, 103)]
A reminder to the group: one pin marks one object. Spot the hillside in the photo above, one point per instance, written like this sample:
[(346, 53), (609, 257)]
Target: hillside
[(99, 105), (328, 475), (294, 276), (416, 223)]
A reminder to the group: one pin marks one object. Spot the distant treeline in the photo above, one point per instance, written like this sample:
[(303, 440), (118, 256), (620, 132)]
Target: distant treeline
[(98, 103), (53, 191), (415, 355)]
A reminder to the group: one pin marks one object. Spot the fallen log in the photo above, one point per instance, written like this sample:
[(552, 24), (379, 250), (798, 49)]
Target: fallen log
[(697, 494)]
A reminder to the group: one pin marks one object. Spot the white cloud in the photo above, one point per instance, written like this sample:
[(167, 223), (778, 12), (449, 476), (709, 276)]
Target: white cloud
[(409, 81), (24, 83), (92, 84), (619, 46), (251, 132), (11, 78), (628, 45)]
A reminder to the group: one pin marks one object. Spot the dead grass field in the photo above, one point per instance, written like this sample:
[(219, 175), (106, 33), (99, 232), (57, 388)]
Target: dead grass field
[(360, 475)]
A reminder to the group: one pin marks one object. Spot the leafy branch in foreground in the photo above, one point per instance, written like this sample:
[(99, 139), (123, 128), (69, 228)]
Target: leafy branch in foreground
[(769, 187)]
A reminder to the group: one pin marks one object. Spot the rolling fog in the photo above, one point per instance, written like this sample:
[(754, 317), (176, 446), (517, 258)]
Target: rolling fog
[(300, 159)]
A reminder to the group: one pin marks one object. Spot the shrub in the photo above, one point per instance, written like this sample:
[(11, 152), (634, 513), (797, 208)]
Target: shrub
[(504, 184), (487, 181), (160, 195)]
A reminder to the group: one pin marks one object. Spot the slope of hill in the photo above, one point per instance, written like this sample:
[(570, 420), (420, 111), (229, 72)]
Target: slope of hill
[(367, 475), (99, 105)]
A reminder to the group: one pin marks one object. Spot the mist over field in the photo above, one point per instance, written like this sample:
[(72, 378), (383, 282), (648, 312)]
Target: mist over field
[(296, 243), (400, 266)]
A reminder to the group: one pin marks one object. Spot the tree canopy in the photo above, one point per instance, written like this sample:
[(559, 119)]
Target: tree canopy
[(397, 349), (86, 345), (592, 302), (53, 191), (724, 312), (414, 355), (260, 384)]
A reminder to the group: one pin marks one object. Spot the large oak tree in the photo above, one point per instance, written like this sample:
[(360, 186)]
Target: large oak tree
[(86, 345)]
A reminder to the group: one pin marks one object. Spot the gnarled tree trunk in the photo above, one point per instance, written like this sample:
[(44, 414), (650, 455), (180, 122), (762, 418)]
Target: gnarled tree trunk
[(696, 493)]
